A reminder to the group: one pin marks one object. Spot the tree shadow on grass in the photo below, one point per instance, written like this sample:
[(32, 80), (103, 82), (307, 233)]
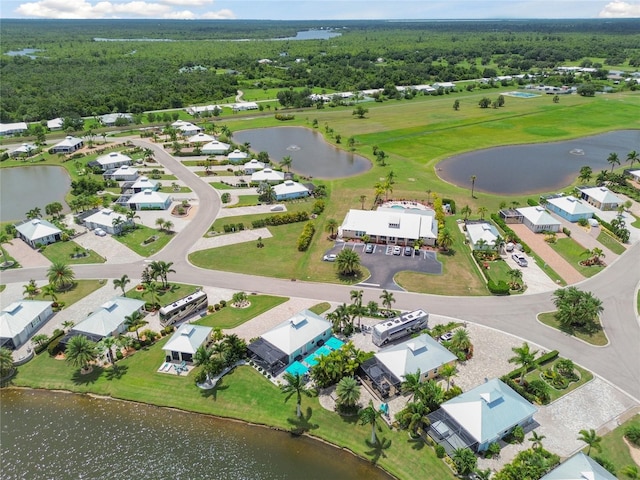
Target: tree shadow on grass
[(377, 449), (213, 392), (116, 372), (303, 424), (87, 379), (416, 443)]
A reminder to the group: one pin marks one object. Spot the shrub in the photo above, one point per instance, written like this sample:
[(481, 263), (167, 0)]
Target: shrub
[(119, 355), (452, 204), (532, 203), (566, 231), (54, 346), (304, 240), (440, 451), (226, 197), (200, 377), (136, 345), (493, 450), (318, 207), (518, 434), (583, 222), (632, 433), (500, 288), (547, 357)]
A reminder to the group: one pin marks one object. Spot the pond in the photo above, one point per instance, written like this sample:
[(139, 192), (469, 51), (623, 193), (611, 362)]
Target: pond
[(24, 188), (311, 155), (25, 52), (57, 435), (536, 168)]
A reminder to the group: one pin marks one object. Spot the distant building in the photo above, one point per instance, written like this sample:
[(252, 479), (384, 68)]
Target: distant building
[(579, 467), (143, 183), (104, 219), (25, 149), (110, 119), (113, 160), (124, 173), (482, 235), (253, 166), (237, 156), (20, 319), (267, 175), (68, 145), (55, 124), (215, 148), (17, 128), (290, 190)]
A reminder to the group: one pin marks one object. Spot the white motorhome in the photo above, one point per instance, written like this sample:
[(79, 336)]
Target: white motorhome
[(398, 327)]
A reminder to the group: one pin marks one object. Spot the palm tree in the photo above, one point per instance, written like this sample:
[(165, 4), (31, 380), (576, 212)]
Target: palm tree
[(6, 362), (50, 291), (591, 438), (239, 298), (473, 184), (348, 262), (613, 160), (152, 290), (466, 211), (131, 215), (387, 299), (524, 357), (585, 174), (295, 385), (81, 351), (516, 276), (482, 211), (286, 162), (67, 325), (536, 440), (30, 289), (105, 345), (412, 384), (4, 238), (461, 340), (134, 322), (168, 225), (161, 269), (362, 199), (160, 223), (331, 226), (348, 391), (633, 157), (445, 239), (117, 223), (447, 372), (370, 416), (60, 275), (631, 471), (121, 283), (413, 416), (464, 460)]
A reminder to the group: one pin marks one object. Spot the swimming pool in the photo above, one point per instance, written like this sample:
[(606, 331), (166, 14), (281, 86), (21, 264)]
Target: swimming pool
[(334, 343), (311, 360), (521, 94), (296, 368)]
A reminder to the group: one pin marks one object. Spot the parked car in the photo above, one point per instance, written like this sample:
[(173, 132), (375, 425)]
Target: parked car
[(330, 258), (408, 251), (519, 259), (100, 232), (397, 250), (509, 247), (368, 248), (447, 337)]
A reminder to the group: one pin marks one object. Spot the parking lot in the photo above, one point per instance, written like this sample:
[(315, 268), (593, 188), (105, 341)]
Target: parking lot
[(383, 264)]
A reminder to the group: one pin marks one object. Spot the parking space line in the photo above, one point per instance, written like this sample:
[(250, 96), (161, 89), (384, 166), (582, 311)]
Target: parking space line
[(369, 284)]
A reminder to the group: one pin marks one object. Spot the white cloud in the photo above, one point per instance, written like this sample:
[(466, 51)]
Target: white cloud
[(620, 9), (224, 14), (186, 3)]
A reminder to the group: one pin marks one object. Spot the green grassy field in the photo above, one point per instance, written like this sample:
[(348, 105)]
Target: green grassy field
[(164, 297), (64, 252), (81, 288), (614, 448), (611, 243), (231, 317), (135, 238), (599, 338), (554, 393), (573, 253)]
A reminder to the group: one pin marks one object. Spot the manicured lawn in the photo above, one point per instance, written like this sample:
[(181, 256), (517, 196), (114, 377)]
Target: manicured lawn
[(169, 189), (244, 394), (320, 308), (554, 394), (498, 270), (2, 287), (215, 173), (64, 252), (614, 447), (300, 206), (81, 288), (134, 239), (573, 253), (221, 186), (245, 201), (230, 317), (599, 338), (164, 297), (611, 243)]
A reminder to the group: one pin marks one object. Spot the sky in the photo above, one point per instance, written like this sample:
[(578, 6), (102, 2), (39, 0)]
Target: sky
[(319, 9)]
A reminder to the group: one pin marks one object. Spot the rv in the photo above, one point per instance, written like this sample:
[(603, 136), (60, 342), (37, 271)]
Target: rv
[(398, 327)]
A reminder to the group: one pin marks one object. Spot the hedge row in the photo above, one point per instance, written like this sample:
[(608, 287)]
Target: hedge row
[(57, 333), (452, 204), (318, 207), (547, 357), (520, 389), (54, 343), (304, 240), (500, 288), (282, 219), (510, 233)]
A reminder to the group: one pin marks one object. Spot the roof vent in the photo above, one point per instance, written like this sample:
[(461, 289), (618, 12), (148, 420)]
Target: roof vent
[(188, 330), (109, 305), (35, 221)]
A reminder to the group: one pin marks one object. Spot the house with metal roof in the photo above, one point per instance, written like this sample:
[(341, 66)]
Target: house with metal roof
[(187, 129), (185, 341), (204, 109), (600, 197), (113, 160), (38, 231), (68, 145), (243, 106), (107, 320), (538, 220), (111, 119), (143, 183), (215, 148), (579, 467), (26, 149), (570, 208), (481, 235), (395, 226), (149, 200), (201, 138), (20, 319), (290, 190), (253, 166), (290, 340), (267, 175), (105, 220), (237, 156), (13, 128), (55, 124), (479, 417), (387, 369), (124, 173)]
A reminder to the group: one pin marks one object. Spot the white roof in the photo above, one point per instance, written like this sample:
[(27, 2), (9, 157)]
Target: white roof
[(238, 155), (15, 317), (420, 353), (537, 216), (289, 186), (187, 338), (297, 331), (25, 148), (144, 183), (186, 126), (113, 157), (203, 108), (570, 205), (105, 217), (112, 117), (37, 228), (215, 147), (482, 231), (12, 127), (254, 164), (55, 123), (579, 467), (601, 194), (125, 170), (635, 173), (68, 141), (109, 316), (148, 196), (267, 175), (486, 411), (399, 223), (201, 138)]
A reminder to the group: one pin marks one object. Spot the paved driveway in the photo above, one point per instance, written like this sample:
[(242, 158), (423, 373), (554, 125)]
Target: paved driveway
[(383, 265)]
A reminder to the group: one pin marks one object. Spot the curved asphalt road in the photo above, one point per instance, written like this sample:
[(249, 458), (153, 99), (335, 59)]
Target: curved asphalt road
[(618, 362)]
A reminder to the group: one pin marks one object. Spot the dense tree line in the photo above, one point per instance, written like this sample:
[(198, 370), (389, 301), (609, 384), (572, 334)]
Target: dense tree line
[(76, 75)]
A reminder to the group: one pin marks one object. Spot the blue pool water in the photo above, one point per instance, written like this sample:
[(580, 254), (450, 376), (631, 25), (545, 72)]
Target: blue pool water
[(311, 360), (397, 206), (334, 343), (522, 94), (297, 368)]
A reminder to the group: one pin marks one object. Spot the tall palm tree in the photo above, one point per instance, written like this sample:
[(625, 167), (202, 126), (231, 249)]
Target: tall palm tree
[(482, 211), (117, 223), (160, 223), (370, 415), (613, 160), (50, 291), (536, 440), (161, 269), (412, 384), (387, 299), (633, 157), (331, 226), (60, 275), (134, 322), (447, 372), (473, 184), (362, 199), (466, 211), (4, 238), (132, 215), (516, 276), (591, 438), (524, 357), (295, 385), (464, 460), (445, 239), (6, 362), (461, 340), (106, 345), (80, 351), (121, 283), (348, 391), (286, 162)]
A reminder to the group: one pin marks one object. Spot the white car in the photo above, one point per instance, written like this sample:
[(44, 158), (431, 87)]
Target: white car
[(397, 250), (330, 258), (100, 232), (520, 259), (447, 337)]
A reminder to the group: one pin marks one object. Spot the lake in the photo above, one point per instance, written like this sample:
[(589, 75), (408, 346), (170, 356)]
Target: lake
[(24, 188), (25, 52), (57, 435), (311, 155), (536, 168)]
